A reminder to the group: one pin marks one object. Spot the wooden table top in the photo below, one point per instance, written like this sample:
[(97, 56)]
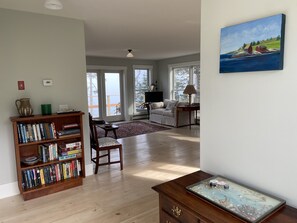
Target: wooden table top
[(176, 189)]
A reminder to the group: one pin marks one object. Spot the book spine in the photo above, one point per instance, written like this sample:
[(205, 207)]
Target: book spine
[(20, 140), (35, 138), (42, 176), (41, 125), (38, 132), (73, 144), (70, 126), (66, 157), (54, 130), (23, 130)]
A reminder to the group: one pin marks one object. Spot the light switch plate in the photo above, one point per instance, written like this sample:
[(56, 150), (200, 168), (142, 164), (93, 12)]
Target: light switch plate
[(47, 82)]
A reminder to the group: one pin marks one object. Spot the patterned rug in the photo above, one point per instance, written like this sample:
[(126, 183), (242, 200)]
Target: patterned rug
[(132, 129)]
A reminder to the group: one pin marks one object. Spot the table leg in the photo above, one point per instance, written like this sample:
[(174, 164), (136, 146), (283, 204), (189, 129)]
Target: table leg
[(177, 114), (190, 118)]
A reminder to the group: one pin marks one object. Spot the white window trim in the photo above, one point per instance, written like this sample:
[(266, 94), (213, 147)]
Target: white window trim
[(177, 65), (151, 78), (124, 85)]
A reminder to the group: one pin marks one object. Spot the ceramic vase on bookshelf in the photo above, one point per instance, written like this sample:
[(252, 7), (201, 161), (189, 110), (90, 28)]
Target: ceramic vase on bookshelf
[(24, 107)]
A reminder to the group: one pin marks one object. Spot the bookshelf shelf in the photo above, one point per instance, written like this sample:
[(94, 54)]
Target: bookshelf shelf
[(52, 188), (36, 137), (41, 164), (49, 141)]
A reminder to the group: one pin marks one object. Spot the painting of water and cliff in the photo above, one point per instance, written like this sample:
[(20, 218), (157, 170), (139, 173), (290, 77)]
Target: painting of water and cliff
[(246, 203), (253, 46)]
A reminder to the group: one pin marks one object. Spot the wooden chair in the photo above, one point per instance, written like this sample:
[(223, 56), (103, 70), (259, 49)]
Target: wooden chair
[(103, 147)]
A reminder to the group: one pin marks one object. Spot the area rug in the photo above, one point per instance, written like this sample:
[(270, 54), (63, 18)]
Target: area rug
[(132, 129)]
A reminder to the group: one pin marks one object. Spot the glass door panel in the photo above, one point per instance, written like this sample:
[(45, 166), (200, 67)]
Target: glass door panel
[(112, 94), (93, 99)]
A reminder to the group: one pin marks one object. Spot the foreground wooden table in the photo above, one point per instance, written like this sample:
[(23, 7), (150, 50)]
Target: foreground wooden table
[(179, 206)]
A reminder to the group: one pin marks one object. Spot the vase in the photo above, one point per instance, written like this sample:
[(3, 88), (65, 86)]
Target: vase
[(24, 107)]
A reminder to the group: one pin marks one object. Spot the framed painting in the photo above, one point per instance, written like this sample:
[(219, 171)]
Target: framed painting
[(253, 46), (246, 203)]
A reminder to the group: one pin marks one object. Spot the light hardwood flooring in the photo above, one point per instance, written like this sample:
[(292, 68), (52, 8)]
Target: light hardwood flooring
[(114, 196)]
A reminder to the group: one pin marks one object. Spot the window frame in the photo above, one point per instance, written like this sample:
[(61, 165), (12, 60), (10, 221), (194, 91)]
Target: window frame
[(150, 80), (191, 64)]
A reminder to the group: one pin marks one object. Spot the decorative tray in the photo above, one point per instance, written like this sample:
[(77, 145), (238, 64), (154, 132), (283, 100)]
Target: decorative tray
[(251, 205)]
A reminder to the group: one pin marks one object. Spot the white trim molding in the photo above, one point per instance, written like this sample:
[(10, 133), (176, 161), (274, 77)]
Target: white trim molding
[(89, 169), (177, 65), (8, 190)]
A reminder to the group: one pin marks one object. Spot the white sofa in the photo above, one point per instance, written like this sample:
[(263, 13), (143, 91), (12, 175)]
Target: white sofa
[(165, 113)]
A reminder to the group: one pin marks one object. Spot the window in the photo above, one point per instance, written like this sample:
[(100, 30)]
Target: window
[(105, 87), (181, 75), (142, 80), (92, 85)]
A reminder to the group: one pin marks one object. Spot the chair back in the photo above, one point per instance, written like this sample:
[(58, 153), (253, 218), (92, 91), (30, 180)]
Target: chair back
[(92, 134)]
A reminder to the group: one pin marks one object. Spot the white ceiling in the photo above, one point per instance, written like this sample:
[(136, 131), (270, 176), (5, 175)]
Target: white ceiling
[(154, 29)]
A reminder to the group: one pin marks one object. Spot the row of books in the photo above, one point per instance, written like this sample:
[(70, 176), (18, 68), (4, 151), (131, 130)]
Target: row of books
[(51, 151), (46, 175), (36, 132), (48, 152)]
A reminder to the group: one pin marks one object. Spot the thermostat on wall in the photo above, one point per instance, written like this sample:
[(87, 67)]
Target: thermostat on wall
[(47, 82)]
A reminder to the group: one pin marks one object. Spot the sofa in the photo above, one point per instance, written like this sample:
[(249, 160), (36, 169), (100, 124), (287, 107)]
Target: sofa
[(165, 113)]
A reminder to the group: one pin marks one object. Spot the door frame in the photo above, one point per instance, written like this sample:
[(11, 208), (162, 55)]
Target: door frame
[(123, 84)]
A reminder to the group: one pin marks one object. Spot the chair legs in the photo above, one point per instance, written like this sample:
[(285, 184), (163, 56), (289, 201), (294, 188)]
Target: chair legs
[(96, 159)]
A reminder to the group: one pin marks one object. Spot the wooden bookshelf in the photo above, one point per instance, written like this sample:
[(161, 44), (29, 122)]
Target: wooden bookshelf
[(57, 175)]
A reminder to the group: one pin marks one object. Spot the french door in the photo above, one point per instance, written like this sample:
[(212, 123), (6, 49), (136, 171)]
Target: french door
[(105, 94)]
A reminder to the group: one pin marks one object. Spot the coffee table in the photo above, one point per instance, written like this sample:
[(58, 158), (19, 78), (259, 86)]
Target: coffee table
[(109, 127)]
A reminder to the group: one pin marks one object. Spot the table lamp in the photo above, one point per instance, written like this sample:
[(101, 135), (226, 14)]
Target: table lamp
[(190, 89)]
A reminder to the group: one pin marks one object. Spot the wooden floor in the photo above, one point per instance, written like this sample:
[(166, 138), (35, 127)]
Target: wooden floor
[(112, 195)]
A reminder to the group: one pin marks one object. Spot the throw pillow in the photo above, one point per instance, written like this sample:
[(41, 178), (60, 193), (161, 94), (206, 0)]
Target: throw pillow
[(171, 105), (155, 105)]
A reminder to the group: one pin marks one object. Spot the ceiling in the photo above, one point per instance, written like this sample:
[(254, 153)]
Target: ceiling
[(154, 29)]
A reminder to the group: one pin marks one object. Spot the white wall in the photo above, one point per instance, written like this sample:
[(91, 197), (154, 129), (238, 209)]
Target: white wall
[(36, 47), (249, 120)]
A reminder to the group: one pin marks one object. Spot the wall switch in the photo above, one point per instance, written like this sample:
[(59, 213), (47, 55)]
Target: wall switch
[(21, 85), (47, 82)]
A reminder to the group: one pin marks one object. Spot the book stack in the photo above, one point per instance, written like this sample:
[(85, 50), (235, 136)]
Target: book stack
[(48, 152), (46, 175), (35, 132), (69, 150), (69, 130)]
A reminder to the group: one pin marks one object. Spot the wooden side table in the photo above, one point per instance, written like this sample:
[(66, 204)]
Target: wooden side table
[(108, 128), (176, 205), (188, 108)]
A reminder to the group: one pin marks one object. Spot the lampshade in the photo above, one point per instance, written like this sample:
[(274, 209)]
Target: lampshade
[(130, 53), (53, 4), (190, 89)]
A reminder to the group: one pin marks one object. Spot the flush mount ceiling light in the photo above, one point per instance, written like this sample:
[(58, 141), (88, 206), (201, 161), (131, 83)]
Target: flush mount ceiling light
[(130, 53), (53, 4)]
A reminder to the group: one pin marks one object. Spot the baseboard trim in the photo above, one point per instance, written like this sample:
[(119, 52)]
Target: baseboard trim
[(89, 170), (8, 190)]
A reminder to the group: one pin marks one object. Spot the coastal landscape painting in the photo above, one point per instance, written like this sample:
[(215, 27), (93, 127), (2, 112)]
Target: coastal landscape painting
[(253, 46)]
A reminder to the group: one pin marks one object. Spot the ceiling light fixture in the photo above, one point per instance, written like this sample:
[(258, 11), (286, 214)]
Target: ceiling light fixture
[(53, 4), (130, 53)]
